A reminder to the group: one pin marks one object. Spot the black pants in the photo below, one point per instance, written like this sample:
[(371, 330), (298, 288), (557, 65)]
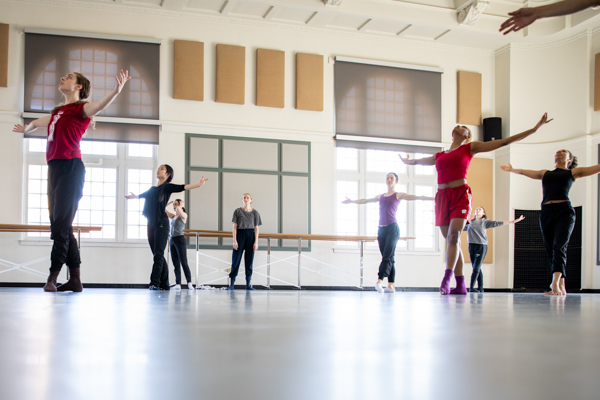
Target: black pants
[(65, 189), (245, 239), (388, 236), (477, 253), (179, 256), (158, 235), (557, 222)]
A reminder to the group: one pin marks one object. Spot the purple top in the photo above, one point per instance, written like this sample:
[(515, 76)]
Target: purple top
[(387, 209)]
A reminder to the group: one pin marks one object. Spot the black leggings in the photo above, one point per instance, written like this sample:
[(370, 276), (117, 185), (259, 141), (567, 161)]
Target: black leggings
[(65, 189), (179, 255), (158, 235), (557, 221), (387, 237), (477, 253), (245, 239)]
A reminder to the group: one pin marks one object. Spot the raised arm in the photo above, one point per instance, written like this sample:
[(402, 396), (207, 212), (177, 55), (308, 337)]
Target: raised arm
[(196, 185), (169, 214), (582, 172), (526, 16), (182, 214), (482, 147), (418, 161), (411, 197), (94, 107), (525, 172), (362, 201), (42, 122)]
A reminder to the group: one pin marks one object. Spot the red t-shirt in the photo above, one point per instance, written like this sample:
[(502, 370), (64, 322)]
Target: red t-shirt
[(65, 130), (453, 165)]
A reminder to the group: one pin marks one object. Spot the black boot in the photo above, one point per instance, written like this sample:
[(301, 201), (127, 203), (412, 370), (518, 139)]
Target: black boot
[(50, 285), (74, 283)]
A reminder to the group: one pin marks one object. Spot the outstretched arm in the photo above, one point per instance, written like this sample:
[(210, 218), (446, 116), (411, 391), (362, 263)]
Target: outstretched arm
[(526, 172), (196, 185), (42, 122), (521, 218), (526, 16), (482, 147), (582, 172), (418, 161), (92, 108), (411, 197), (361, 201)]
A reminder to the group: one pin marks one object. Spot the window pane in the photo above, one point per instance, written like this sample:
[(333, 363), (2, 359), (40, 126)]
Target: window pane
[(347, 159), (347, 214), (138, 181), (37, 197), (98, 203), (423, 169), (424, 219), (140, 150), (385, 161)]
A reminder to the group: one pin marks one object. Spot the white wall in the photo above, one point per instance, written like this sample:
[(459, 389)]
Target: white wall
[(533, 77)]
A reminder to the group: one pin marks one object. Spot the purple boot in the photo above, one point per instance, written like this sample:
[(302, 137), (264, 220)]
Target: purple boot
[(460, 286), (445, 286)]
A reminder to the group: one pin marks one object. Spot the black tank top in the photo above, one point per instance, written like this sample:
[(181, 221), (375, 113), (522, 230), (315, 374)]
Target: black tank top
[(556, 184)]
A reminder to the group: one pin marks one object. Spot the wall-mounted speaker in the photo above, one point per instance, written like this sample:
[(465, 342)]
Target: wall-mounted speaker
[(492, 129)]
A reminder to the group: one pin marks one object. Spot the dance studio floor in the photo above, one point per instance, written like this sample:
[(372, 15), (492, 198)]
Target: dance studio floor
[(137, 344)]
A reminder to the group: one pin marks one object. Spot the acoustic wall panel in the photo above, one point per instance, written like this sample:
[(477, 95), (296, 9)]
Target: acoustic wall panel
[(469, 98), (270, 74), (188, 74), (231, 74), (597, 83), (481, 181), (309, 82), (4, 55)]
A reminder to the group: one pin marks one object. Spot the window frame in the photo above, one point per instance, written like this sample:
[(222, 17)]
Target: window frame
[(122, 162), (363, 177)]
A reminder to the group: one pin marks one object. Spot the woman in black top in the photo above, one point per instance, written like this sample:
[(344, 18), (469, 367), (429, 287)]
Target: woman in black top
[(158, 222), (557, 218)]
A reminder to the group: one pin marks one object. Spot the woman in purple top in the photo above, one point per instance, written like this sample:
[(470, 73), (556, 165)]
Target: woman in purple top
[(388, 232)]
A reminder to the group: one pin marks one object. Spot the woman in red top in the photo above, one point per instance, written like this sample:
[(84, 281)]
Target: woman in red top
[(453, 198), (66, 173)]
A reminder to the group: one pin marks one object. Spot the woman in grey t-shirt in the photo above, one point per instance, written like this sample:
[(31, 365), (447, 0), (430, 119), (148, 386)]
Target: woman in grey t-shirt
[(478, 240), (245, 239)]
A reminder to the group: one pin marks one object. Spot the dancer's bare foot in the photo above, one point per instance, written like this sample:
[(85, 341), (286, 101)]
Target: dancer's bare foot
[(555, 291), (562, 287)]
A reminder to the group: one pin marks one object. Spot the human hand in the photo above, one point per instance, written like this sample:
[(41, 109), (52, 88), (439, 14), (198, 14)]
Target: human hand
[(202, 181), (521, 218), (255, 247), (235, 245), (518, 20), (406, 160), (122, 78), (543, 121), (19, 128), (131, 196), (506, 168), (347, 201)]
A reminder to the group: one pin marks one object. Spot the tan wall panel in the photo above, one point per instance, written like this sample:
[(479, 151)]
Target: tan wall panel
[(4, 55), (597, 83), (309, 82), (481, 181), (231, 74), (188, 74), (469, 98), (270, 78)]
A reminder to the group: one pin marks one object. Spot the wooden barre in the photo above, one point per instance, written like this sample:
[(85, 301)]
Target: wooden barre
[(42, 228), (292, 236)]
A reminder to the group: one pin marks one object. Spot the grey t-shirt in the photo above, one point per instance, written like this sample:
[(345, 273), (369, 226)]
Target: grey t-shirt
[(245, 219), (476, 230)]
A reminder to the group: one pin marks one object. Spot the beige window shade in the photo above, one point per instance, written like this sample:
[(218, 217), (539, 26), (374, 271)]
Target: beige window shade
[(469, 98), (4, 55), (385, 102), (188, 74), (231, 74), (111, 132), (270, 78), (309, 82)]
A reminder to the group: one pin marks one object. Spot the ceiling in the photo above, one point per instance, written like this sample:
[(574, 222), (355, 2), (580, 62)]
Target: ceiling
[(431, 21)]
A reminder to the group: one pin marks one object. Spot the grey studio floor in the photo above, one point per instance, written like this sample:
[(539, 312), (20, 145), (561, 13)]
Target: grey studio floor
[(137, 344)]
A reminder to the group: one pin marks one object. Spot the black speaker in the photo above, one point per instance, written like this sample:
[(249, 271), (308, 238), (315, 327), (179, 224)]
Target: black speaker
[(492, 129)]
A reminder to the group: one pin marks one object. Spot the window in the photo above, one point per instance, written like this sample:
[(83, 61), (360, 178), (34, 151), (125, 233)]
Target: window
[(361, 174), (112, 171)]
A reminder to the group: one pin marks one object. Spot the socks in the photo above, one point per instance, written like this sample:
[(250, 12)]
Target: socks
[(50, 285), (445, 286), (230, 287), (460, 286), (379, 288), (74, 283), (248, 287)]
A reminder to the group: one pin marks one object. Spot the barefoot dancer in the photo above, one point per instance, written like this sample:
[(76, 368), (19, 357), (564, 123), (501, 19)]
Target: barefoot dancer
[(453, 199), (478, 240), (388, 232), (178, 245), (158, 223), (66, 172), (557, 218)]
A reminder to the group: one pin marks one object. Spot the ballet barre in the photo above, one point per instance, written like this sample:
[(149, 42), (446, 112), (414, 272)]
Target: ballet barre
[(15, 228), (198, 233)]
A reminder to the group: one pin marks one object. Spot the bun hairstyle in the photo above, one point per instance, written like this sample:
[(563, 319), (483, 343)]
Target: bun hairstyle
[(393, 173), (573, 163), (161, 195)]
